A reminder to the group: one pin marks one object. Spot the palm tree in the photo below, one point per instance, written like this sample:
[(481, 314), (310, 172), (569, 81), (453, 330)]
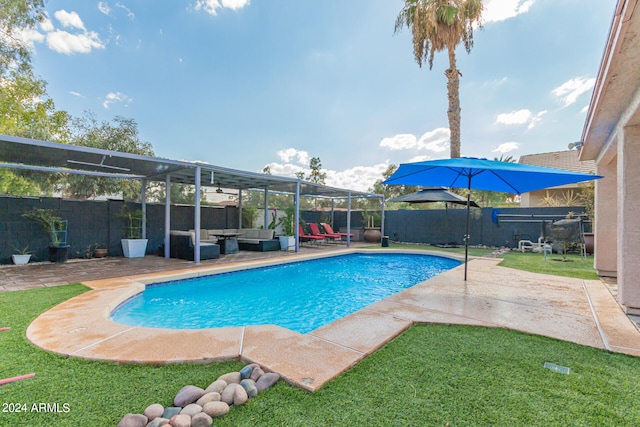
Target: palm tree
[(439, 25)]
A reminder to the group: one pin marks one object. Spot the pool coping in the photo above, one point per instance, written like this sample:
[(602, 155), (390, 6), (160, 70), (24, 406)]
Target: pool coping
[(81, 327)]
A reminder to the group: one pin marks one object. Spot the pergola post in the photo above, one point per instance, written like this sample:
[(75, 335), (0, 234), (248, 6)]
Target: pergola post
[(143, 199), (296, 226), (382, 221), (196, 219), (240, 209), (266, 208), (349, 219), (167, 217)]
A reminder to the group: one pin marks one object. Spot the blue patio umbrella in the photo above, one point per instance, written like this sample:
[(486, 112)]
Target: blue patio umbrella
[(483, 174)]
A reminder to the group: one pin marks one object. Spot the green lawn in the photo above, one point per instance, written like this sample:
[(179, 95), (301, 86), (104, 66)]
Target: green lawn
[(430, 375)]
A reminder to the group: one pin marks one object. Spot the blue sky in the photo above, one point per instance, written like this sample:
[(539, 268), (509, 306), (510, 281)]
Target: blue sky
[(250, 83)]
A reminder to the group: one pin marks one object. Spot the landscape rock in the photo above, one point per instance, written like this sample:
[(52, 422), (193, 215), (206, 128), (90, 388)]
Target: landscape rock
[(201, 420), (267, 380), (170, 412), (257, 373), (246, 372), (180, 420), (227, 394), (240, 396), (231, 377), (133, 420), (215, 409), (191, 409), (217, 386), (249, 386), (154, 411), (158, 422), (209, 397), (188, 394)]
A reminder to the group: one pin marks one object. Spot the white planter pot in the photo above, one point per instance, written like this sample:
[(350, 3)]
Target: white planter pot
[(21, 259), (287, 243), (134, 248)]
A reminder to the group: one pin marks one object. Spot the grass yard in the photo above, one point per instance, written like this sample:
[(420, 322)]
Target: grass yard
[(430, 375)]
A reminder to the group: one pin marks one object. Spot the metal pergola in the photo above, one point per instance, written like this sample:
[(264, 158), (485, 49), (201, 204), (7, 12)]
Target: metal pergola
[(44, 156)]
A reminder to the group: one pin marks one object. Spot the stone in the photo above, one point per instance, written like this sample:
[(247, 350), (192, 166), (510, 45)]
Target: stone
[(188, 394), (215, 409), (246, 372), (154, 411), (180, 420), (257, 373), (240, 396), (201, 420), (191, 409), (209, 397), (158, 422), (267, 380), (133, 420), (249, 386), (217, 386), (227, 394), (170, 412), (231, 377)]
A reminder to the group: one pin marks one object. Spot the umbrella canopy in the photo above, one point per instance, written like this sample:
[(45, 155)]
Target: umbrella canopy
[(483, 174), (433, 194)]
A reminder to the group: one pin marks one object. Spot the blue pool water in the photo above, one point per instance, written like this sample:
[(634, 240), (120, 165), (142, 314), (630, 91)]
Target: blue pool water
[(300, 296)]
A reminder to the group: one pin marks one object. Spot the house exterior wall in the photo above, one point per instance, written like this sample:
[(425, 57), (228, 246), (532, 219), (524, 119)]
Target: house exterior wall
[(629, 219), (605, 229)]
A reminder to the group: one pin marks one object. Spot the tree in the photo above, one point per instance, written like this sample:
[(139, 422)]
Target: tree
[(391, 191), (316, 175), (439, 25), (16, 16), (122, 136)]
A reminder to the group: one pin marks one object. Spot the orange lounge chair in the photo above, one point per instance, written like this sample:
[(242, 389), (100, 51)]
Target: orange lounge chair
[(315, 231), (304, 237), (329, 230)]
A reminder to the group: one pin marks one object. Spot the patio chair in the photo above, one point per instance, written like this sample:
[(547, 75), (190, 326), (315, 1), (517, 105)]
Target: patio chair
[(327, 229), (304, 237), (315, 231)]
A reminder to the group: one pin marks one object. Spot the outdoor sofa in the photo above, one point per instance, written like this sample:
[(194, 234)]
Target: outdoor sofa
[(182, 246), (256, 239)]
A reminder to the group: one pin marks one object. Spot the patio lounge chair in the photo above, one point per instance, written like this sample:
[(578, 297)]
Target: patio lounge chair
[(304, 237), (315, 231), (327, 229)]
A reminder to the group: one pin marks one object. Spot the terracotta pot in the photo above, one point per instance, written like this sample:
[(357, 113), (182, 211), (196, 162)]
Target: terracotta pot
[(100, 252), (372, 234)]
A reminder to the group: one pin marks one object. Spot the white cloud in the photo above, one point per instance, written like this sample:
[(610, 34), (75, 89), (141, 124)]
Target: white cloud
[(104, 8), (501, 10), (78, 94), (212, 6), (113, 97), (46, 24), (415, 159), (69, 19), (359, 178), (436, 140), (130, 14), (68, 44), (506, 147), (29, 37), (401, 141), (286, 169), (290, 153), (520, 117), (569, 91)]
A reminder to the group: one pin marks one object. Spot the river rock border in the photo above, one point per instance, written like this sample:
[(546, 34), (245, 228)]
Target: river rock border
[(197, 407)]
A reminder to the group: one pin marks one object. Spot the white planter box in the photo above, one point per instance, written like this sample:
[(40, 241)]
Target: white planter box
[(134, 248), (287, 243), (21, 259)]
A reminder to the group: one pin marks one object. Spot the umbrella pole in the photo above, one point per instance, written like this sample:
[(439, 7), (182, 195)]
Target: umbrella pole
[(466, 236)]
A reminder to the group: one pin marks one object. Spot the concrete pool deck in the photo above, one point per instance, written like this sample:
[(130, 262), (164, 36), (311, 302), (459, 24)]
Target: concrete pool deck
[(580, 311)]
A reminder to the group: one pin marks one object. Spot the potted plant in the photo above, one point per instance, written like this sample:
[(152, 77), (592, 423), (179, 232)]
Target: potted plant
[(56, 228), (133, 246), (288, 241), (22, 256), (99, 251), (372, 233)]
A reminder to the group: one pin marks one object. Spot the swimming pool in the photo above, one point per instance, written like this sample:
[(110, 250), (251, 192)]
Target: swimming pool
[(301, 296)]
